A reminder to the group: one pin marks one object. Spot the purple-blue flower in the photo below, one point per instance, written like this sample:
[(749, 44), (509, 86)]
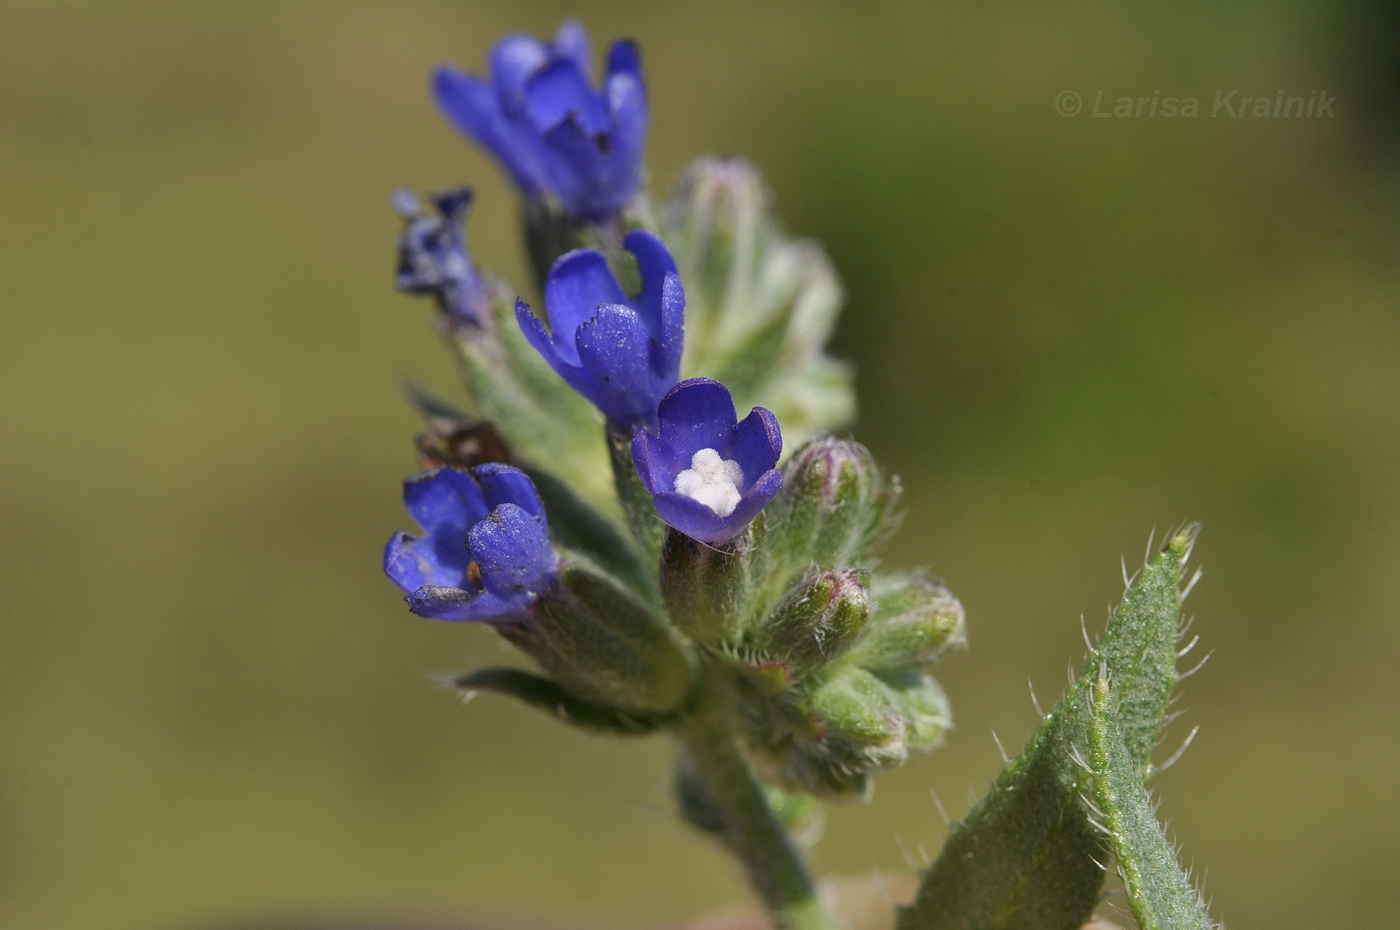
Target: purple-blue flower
[(622, 353), (709, 473), (433, 253), (540, 116), (485, 551)]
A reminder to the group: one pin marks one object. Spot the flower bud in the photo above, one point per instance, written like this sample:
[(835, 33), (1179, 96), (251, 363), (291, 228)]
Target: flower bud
[(720, 218), (818, 619), (916, 619), (605, 647), (857, 728), (761, 306), (923, 706), (859, 722), (706, 588), (833, 506)]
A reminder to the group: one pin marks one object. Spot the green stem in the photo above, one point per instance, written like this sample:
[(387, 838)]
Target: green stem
[(775, 869)]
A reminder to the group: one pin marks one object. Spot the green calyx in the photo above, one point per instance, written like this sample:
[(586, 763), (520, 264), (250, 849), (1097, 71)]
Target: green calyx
[(605, 647)]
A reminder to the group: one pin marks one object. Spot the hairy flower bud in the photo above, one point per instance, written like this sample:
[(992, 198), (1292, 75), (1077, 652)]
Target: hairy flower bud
[(923, 706), (856, 728), (834, 504), (763, 306), (916, 620), (817, 620), (721, 219)]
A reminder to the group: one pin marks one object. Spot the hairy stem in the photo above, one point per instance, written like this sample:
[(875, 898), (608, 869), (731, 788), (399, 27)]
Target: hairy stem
[(774, 867)]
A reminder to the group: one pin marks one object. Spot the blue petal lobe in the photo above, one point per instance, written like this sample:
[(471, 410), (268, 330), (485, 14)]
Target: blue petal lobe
[(443, 498), (401, 562), (589, 182), (656, 462), (447, 603), (693, 518), (697, 414), (615, 348), (625, 58), (561, 355), (626, 98), (577, 284), (666, 355), (757, 443), (571, 42), (474, 107), (559, 93), (512, 551), (513, 60), (756, 498), (655, 263), (505, 484), (542, 342)]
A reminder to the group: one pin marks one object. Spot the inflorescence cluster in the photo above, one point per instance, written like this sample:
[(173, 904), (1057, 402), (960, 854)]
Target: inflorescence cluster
[(601, 503)]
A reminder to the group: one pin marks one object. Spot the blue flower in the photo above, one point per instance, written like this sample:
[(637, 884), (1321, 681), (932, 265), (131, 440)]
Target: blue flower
[(708, 473), (433, 253), (485, 551), (540, 116), (622, 353)]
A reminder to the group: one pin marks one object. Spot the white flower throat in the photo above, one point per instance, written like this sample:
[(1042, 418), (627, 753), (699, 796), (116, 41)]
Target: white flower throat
[(712, 481)]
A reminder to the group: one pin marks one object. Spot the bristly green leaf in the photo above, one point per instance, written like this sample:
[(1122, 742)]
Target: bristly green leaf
[(1161, 896), (549, 696), (1028, 857)]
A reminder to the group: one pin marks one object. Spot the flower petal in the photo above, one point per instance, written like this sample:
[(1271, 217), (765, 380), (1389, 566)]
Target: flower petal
[(512, 551), (562, 356), (402, 563), (757, 443), (654, 262), (666, 354), (615, 348), (445, 603), (443, 498), (625, 59), (535, 334), (474, 107), (656, 462), (693, 518), (513, 59), (578, 283), (626, 96), (697, 414), (700, 522), (557, 93), (756, 498), (505, 484), (571, 42)]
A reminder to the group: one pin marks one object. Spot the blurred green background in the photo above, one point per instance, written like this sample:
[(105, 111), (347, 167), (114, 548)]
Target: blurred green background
[(1069, 330)]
